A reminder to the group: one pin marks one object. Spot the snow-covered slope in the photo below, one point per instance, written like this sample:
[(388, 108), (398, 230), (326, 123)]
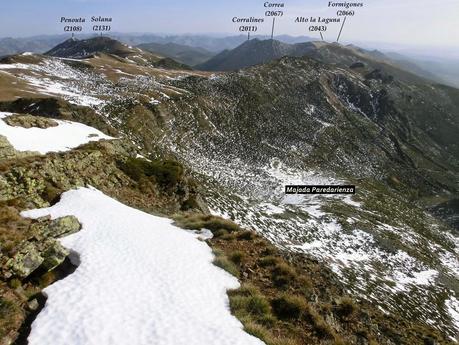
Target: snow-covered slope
[(65, 136), (140, 280)]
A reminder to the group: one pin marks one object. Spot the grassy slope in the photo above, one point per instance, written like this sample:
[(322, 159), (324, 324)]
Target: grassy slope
[(290, 299)]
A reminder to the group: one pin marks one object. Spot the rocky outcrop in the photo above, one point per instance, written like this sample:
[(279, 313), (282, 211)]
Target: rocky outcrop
[(29, 121), (54, 108), (357, 65), (37, 182), (31, 256), (53, 256)]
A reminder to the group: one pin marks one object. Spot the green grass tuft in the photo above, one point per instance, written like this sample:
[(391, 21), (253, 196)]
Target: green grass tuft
[(237, 257), (346, 307), (203, 221), (166, 173), (283, 275), (246, 235), (227, 265), (288, 307), (268, 261)]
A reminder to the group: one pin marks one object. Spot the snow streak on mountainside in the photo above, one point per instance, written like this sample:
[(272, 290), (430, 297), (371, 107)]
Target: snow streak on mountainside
[(54, 78), (140, 280)]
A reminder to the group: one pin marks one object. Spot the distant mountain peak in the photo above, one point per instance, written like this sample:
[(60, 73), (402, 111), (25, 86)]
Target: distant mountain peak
[(74, 48), (254, 52), (97, 46)]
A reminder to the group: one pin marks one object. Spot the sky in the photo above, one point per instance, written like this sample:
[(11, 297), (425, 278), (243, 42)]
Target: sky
[(399, 22)]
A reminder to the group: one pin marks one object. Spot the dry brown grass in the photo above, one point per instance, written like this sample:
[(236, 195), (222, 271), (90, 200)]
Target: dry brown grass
[(267, 335), (11, 313), (320, 326), (13, 229)]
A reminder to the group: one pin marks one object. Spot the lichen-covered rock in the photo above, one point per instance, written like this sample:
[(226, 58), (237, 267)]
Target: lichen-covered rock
[(44, 255), (27, 260), (4, 190), (29, 121), (62, 227), (6, 150), (53, 256)]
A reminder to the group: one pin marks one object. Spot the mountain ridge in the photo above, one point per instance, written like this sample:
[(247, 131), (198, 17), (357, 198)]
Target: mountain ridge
[(256, 52)]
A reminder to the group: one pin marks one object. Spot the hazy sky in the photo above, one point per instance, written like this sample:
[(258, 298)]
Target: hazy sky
[(414, 22)]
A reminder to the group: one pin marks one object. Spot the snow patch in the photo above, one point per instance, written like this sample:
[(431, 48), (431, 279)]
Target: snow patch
[(66, 136), (140, 281), (53, 77)]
